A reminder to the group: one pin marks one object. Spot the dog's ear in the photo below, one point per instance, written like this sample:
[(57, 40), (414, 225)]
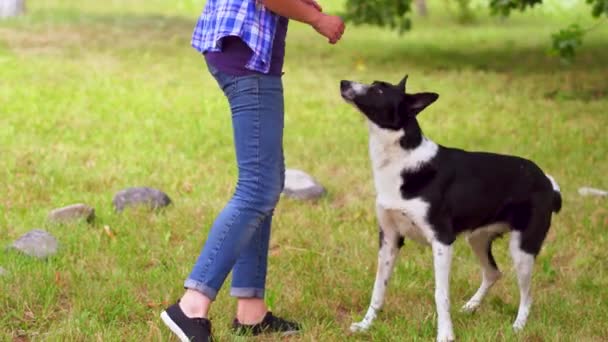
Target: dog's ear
[(415, 103), (401, 84)]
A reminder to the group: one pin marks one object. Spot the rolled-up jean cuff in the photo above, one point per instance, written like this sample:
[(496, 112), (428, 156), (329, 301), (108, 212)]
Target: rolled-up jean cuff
[(200, 287), (246, 292)]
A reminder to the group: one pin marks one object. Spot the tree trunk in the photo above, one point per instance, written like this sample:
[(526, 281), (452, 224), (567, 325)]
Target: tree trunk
[(11, 8), (420, 7)]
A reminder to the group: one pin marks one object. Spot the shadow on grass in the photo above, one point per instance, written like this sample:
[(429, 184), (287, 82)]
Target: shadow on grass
[(529, 59), (143, 30)]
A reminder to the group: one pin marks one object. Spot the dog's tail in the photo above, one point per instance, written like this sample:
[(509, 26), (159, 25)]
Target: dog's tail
[(557, 195), (557, 201)]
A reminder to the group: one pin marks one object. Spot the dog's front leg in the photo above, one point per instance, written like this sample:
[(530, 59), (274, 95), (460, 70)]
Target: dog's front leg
[(442, 260), (390, 243)]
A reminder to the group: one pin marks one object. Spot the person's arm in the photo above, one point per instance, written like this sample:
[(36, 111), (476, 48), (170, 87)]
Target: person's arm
[(308, 12)]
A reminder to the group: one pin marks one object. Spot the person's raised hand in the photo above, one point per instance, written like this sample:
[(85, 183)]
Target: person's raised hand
[(330, 26)]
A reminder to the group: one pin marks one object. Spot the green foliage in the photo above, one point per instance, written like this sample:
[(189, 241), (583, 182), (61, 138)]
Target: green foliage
[(566, 41), (465, 12), (383, 13), (598, 7), (393, 14), (504, 7)]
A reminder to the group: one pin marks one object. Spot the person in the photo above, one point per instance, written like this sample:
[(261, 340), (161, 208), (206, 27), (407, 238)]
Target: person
[(243, 43)]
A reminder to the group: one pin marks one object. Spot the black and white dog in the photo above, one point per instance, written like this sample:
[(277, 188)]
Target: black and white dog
[(430, 193)]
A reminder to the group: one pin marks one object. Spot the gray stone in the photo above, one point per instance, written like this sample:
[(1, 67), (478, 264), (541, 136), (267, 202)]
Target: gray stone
[(152, 198), (587, 191), (299, 185), (11, 8), (3, 272), (37, 243), (72, 213)]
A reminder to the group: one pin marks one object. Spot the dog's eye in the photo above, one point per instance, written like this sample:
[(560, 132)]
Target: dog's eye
[(378, 90)]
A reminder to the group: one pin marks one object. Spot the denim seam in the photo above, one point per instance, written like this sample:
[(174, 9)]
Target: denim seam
[(257, 146), (219, 245), (259, 164), (259, 251), (258, 128), (258, 121)]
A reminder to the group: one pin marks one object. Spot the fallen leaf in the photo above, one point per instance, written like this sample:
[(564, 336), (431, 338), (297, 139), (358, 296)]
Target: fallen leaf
[(187, 187), (29, 315), (275, 250), (152, 304), (109, 232), (360, 65)]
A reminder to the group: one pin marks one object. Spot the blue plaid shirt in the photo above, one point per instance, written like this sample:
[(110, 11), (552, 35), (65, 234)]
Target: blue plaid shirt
[(247, 19)]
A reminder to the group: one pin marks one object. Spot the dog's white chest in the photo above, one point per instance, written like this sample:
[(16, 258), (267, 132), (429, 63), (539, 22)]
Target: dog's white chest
[(388, 181), (409, 225), (390, 161)]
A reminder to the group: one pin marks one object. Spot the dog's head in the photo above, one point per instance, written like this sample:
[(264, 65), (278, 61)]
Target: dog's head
[(386, 105)]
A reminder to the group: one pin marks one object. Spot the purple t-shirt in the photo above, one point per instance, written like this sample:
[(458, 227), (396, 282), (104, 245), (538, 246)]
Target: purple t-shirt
[(235, 54)]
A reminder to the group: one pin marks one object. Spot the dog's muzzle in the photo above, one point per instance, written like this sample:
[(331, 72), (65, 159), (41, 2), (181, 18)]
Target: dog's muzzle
[(347, 91)]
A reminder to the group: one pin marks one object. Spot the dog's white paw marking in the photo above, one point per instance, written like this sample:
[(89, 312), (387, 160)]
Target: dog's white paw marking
[(519, 325), (470, 306), (445, 337), (359, 327)]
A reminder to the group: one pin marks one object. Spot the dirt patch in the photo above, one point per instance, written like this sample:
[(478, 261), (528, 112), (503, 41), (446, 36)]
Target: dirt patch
[(40, 42)]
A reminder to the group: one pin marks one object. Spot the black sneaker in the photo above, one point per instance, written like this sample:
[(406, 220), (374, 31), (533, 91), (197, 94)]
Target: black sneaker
[(270, 324), (185, 328)]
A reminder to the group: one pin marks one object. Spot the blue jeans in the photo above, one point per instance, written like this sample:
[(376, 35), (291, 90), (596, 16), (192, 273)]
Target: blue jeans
[(240, 235)]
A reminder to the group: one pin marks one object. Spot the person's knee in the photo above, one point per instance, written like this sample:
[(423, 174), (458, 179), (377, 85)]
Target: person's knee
[(270, 193), (261, 194)]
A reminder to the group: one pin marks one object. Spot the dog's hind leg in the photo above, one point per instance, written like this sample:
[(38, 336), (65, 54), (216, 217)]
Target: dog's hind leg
[(390, 243), (481, 243), (525, 244), (524, 262)]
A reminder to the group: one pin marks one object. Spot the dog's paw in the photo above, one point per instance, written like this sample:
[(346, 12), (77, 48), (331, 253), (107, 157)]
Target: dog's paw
[(470, 306), (445, 338), (519, 326), (445, 334), (359, 327)]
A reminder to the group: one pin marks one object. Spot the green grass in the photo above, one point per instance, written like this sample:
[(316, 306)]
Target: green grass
[(96, 97)]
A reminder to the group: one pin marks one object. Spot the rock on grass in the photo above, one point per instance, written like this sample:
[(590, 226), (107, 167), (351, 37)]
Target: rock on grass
[(72, 213), (37, 243), (140, 196), (588, 191), (299, 185)]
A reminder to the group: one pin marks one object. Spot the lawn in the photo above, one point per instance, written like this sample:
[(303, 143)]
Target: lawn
[(99, 96)]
